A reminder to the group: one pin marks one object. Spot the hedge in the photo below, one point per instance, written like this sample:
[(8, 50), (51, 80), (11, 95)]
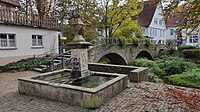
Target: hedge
[(191, 53), (22, 65), (181, 48)]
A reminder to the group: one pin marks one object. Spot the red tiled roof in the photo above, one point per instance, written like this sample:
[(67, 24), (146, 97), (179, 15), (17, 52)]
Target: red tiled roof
[(174, 21), (11, 2)]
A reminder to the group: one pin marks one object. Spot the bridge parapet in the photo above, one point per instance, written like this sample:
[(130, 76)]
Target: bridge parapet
[(123, 55), (116, 41)]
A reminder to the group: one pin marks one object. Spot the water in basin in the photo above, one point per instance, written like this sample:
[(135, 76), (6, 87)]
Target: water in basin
[(91, 81)]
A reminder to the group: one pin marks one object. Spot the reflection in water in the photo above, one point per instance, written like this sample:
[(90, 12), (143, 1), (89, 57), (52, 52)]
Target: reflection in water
[(92, 81)]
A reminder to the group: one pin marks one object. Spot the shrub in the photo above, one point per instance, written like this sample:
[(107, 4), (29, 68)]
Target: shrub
[(22, 65), (191, 53), (143, 63), (136, 42), (190, 78), (164, 67), (180, 48), (147, 42), (173, 52), (174, 65), (155, 78), (122, 41), (154, 69)]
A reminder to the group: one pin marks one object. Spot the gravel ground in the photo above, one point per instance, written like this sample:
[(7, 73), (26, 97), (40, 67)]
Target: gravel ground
[(142, 97)]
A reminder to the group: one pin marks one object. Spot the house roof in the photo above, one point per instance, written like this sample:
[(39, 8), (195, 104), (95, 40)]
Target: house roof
[(11, 2), (174, 21), (146, 15)]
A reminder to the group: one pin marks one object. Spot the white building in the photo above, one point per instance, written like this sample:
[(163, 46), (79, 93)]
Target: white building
[(152, 22), (173, 32), (23, 37)]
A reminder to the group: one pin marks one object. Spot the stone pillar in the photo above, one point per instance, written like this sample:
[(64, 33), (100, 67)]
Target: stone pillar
[(79, 49)]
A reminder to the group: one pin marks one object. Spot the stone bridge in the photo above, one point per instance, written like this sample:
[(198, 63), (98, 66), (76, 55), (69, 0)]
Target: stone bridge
[(114, 54)]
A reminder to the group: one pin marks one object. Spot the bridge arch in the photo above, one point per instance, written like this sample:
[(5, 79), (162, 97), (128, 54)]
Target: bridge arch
[(161, 50), (122, 55), (144, 54), (112, 58)]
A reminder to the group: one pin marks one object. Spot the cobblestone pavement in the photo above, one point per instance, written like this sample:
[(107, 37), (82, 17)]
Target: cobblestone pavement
[(143, 97)]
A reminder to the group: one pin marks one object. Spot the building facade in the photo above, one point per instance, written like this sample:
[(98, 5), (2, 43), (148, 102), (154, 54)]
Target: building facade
[(180, 36), (152, 22), (26, 36)]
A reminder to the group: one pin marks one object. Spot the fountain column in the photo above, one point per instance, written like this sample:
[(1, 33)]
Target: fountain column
[(79, 47)]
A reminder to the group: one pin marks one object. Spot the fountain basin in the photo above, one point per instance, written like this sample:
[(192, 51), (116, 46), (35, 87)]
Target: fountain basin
[(59, 86)]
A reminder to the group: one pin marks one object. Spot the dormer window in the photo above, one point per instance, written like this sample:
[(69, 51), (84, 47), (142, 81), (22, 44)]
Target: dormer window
[(155, 20)]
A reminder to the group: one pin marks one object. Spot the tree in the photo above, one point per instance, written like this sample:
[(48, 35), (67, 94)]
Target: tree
[(96, 14), (89, 15), (190, 12), (119, 17)]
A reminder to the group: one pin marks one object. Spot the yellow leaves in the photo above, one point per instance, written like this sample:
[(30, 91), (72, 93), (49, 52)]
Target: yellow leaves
[(120, 16)]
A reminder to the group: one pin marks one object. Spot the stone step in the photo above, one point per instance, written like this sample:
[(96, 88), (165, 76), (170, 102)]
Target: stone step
[(67, 56), (68, 53), (42, 66), (60, 58), (38, 69), (57, 61)]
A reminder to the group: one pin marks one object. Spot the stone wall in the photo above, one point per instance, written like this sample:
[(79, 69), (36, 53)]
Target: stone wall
[(136, 74)]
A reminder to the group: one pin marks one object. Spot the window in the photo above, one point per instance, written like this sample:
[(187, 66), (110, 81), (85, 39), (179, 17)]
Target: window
[(171, 31), (160, 21), (37, 40), (155, 32), (160, 33), (7, 40), (150, 32), (156, 20)]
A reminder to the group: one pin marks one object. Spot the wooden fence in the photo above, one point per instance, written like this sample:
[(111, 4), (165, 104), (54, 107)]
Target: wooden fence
[(15, 18)]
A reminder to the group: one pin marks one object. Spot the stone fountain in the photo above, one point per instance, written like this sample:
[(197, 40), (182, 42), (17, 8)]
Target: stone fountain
[(79, 54), (77, 86), (86, 85)]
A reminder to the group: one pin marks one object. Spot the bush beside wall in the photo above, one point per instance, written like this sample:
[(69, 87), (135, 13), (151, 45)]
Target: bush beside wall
[(191, 53), (22, 65)]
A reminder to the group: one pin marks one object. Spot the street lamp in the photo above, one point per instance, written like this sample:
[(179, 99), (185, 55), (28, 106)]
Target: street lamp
[(65, 15)]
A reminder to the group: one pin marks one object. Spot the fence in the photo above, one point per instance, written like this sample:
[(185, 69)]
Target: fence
[(15, 18)]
